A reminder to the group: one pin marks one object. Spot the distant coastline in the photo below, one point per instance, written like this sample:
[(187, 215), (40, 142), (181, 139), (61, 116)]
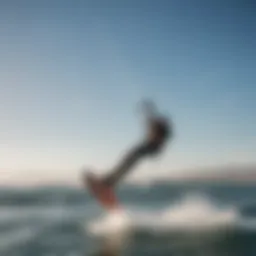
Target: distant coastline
[(229, 174)]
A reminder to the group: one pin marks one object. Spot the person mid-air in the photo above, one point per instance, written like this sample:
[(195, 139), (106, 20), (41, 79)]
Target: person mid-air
[(158, 131)]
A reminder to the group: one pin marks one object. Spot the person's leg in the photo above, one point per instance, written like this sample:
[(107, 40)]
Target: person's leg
[(129, 162)]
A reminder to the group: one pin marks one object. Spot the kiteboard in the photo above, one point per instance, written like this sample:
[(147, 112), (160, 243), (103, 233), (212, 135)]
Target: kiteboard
[(101, 192)]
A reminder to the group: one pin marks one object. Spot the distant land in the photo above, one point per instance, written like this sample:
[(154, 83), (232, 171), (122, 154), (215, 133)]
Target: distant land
[(228, 173), (238, 174)]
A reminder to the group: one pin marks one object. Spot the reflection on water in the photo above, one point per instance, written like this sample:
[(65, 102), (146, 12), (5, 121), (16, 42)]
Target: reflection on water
[(198, 244), (112, 246)]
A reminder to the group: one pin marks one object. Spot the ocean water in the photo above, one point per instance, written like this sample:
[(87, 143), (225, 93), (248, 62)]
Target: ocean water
[(162, 219)]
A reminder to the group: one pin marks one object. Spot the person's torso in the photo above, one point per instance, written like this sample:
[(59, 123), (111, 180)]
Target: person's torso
[(159, 130)]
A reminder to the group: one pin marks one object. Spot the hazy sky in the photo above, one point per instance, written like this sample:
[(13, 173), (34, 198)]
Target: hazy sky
[(72, 73)]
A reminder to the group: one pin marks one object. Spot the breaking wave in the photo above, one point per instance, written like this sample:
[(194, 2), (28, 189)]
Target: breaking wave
[(193, 213)]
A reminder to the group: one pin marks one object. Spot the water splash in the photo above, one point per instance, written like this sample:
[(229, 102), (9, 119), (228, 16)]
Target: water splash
[(192, 213)]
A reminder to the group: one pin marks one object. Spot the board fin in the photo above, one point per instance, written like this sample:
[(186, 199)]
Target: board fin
[(103, 193)]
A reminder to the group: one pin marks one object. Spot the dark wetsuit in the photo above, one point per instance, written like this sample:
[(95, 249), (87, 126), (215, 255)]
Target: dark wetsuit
[(160, 129)]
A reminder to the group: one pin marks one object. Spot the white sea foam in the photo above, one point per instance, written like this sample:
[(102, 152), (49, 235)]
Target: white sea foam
[(193, 213)]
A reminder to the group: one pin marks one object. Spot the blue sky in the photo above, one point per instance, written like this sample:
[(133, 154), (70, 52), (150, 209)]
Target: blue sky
[(72, 73)]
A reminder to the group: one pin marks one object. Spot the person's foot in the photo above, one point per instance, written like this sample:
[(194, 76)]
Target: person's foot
[(107, 181)]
